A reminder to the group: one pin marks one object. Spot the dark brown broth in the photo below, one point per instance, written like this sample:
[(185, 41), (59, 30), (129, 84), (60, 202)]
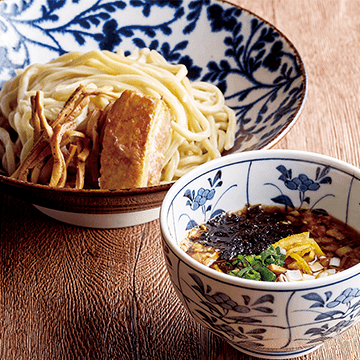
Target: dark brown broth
[(253, 229)]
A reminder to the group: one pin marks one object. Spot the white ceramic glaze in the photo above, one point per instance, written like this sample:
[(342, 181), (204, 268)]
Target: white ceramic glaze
[(264, 319), (102, 221)]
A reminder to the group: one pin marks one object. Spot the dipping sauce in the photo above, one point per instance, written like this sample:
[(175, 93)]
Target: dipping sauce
[(293, 244)]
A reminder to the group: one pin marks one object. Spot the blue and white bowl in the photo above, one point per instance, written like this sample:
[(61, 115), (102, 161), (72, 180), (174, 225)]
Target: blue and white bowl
[(264, 319), (256, 66)]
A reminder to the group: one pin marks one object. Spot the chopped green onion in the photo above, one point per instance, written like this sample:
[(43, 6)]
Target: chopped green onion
[(255, 267)]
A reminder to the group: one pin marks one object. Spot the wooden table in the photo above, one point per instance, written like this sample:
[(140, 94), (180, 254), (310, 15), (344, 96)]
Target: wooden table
[(75, 293)]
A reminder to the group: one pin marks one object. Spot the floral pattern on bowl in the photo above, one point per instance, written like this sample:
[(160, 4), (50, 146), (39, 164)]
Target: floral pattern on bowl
[(269, 320)]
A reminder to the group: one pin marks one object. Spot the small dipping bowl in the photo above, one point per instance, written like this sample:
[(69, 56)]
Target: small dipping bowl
[(269, 320)]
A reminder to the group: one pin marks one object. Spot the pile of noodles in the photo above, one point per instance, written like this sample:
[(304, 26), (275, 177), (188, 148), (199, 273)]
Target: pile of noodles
[(202, 125)]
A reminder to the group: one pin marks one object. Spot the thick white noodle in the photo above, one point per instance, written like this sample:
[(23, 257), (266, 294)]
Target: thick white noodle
[(202, 125)]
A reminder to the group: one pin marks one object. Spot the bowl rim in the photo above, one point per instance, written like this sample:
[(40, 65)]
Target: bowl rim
[(246, 283), (7, 180)]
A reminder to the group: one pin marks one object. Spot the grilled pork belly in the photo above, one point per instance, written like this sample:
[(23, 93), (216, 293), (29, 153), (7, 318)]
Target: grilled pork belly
[(135, 134)]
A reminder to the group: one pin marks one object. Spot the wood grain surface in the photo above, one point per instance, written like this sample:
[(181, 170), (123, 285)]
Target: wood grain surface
[(75, 293)]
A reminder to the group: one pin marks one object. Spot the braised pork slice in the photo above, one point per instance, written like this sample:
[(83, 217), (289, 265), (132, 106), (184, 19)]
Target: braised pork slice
[(135, 134)]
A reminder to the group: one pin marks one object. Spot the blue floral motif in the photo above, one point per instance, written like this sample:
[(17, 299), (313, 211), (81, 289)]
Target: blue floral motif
[(250, 53), (147, 5), (198, 199), (221, 313), (301, 183), (243, 323), (194, 14), (222, 19), (345, 310)]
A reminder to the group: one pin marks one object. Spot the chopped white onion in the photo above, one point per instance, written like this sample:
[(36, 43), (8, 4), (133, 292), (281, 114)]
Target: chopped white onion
[(293, 275), (330, 271), (316, 267), (282, 278), (334, 262), (323, 274)]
